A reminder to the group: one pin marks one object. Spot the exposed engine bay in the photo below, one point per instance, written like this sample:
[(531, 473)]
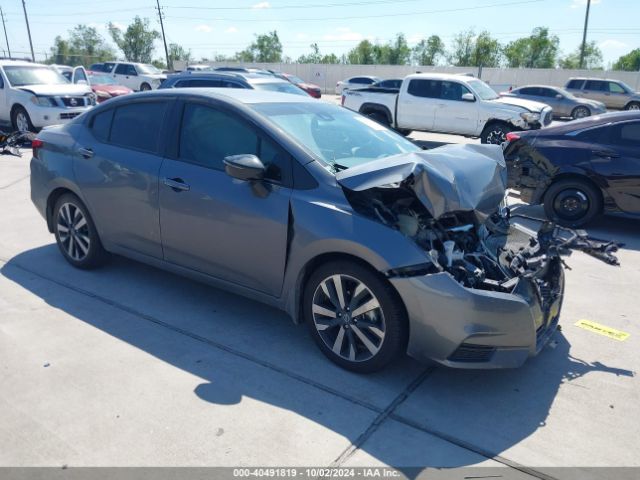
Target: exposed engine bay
[(483, 247)]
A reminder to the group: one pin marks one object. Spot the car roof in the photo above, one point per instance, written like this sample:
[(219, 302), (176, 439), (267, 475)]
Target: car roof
[(240, 95), (539, 86), (21, 63), (253, 79), (595, 78), (442, 76), (585, 123)]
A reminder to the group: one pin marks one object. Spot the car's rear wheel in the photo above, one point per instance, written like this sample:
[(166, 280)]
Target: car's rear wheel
[(572, 202), (145, 87), (355, 316), (76, 234), (633, 106), (21, 121), (495, 133), (379, 117), (580, 112)]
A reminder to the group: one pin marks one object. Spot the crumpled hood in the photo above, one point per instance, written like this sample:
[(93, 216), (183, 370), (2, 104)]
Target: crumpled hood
[(529, 105), (446, 179), (55, 90)]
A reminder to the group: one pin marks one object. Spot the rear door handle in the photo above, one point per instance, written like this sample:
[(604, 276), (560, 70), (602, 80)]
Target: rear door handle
[(85, 152), (606, 153), (176, 184)]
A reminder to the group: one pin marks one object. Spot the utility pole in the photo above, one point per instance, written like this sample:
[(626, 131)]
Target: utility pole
[(5, 32), (584, 35), (26, 19), (164, 39)]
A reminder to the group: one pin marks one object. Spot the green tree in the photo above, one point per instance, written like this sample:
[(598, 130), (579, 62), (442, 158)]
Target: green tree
[(83, 47), (361, 54), (266, 48), (177, 52), (592, 57), (463, 44), (538, 50), (427, 52), (629, 62), (316, 57), (398, 51), (137, 41)]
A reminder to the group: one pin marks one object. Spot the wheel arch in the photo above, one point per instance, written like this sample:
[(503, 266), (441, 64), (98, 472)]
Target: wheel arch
[(53, 197), (631, 102), (313, 263), (368, 108)]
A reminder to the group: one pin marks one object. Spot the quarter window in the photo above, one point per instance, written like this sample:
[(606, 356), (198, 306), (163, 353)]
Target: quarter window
[(626, 134), (137, 126)]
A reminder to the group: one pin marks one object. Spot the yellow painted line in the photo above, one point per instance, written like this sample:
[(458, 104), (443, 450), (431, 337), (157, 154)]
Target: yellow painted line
[(602, 330)]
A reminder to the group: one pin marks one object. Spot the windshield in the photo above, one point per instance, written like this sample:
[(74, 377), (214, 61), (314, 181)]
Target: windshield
[(21, 76), (145, 68), (98, 79), (338, 137), (484, 91), (283, 87)]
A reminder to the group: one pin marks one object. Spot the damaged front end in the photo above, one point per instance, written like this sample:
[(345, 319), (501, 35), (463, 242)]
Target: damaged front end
[(450, 202)]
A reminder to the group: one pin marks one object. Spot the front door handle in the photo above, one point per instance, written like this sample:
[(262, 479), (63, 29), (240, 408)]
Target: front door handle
[(85, 152), (176, 184)]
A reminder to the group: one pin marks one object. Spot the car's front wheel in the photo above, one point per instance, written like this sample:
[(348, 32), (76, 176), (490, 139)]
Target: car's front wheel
[(355, 316), (572, 202), (633, 106), (21, 121), (145, 87), (76, 234)]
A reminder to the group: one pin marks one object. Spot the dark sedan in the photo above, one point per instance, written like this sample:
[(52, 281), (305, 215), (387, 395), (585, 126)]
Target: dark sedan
[(580, 169)]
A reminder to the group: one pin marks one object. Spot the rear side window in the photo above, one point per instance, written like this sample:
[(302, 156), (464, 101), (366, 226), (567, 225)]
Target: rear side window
[(425, 88), (594, 135), (596, 86), (362, 80), (101, 125), (107, 67), (137, 126), (577, 84), (626, 134), (195, 82)]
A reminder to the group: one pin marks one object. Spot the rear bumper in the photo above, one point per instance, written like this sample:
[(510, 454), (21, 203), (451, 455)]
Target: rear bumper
[(467, 328)]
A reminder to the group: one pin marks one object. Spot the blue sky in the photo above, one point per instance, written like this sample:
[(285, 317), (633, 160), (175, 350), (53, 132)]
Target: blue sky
[(215, 26)]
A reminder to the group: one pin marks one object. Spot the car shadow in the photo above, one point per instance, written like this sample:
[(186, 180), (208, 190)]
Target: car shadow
[(495, 406)]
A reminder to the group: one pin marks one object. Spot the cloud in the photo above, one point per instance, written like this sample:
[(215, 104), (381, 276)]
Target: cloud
[(610, 43), (203, 28), (231, 30), (301, 36), (343, 33), (261, 5), (583, 3)]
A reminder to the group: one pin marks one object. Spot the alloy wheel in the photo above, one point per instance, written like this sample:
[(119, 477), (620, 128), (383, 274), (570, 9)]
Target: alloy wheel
[(496, 136), (634, 106), (22, 122), (348, 318), (581, 112), (73, 231)]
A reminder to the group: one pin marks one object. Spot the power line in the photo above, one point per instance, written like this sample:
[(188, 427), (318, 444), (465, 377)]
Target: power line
[(305, 6)]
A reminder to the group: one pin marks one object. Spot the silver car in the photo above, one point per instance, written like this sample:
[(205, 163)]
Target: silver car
[(563, 103), (379, 247), (613, 93)]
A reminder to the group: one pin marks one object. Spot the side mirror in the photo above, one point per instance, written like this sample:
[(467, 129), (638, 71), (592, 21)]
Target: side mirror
[(468, 97), (244, 167)]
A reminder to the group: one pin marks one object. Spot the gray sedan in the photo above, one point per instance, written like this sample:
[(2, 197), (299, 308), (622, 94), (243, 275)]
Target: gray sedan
[(379, 247), (563, 103)]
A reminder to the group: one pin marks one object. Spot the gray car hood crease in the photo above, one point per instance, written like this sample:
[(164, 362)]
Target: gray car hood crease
[(447, 179)]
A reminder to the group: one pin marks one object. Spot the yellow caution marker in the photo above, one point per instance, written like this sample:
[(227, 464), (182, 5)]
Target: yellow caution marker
[(602, 330)]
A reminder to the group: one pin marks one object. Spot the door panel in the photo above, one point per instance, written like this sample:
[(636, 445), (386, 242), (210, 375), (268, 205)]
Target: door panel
[(619, 164), (120, 183), (453, 115), (417, 107), (219, 225)]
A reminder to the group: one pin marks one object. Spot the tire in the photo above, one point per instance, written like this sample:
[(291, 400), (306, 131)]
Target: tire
[(632, 106), (495, 133), (580, 112), (572, 202), (379, 117), (20, 120), (145, 87), (403, 132), (77, 239), (366, 342)]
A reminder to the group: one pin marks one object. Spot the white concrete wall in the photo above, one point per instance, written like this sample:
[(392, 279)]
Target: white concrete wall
[(326, 76)]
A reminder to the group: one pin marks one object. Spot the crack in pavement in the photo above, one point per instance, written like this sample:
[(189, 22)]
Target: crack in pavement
[(383, 414), (15, 182)]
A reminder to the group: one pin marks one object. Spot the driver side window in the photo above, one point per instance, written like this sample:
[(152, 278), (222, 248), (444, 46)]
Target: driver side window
[(208, 135)]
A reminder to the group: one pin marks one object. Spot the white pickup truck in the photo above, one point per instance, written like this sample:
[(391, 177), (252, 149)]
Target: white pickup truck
[(448, 103)]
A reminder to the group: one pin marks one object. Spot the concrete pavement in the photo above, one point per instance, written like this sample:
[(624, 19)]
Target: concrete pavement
[(132, 366)]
